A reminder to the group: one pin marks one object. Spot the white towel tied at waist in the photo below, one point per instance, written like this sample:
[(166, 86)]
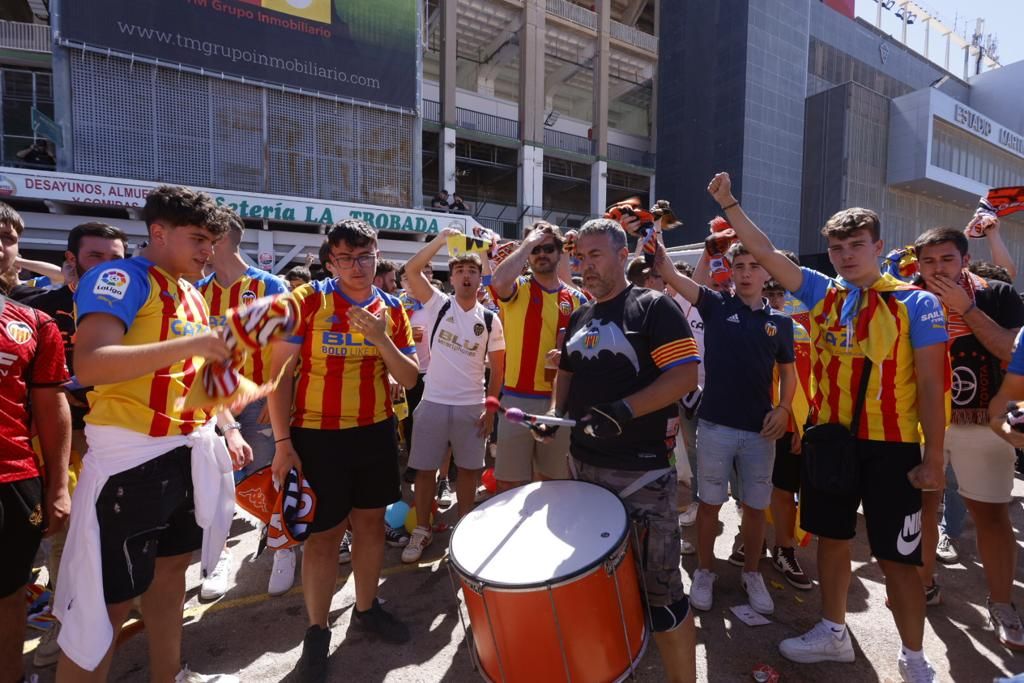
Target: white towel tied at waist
[(86, 633)]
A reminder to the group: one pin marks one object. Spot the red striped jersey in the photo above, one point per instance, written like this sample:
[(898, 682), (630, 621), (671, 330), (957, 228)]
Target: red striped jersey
[(154, 307), (253, 284), (341, 380), (532, 317)]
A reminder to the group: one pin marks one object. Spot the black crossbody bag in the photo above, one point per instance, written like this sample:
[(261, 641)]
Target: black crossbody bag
[(829, 451)]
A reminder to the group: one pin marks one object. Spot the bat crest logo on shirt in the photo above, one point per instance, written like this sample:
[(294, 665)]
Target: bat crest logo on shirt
[(598, 337), (248, 296), (478, 329), (565, 308), (19, 332), (770, 329)]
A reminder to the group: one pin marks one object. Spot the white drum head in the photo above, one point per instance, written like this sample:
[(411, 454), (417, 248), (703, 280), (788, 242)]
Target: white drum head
[(541, 533)]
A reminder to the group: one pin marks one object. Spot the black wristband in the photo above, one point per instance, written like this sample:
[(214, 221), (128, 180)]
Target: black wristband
[(726, 208), (287, 438)]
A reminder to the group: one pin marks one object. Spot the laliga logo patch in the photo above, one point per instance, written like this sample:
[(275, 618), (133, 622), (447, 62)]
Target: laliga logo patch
[(112, 283), (565, 308), (19, 332), (770, 329)]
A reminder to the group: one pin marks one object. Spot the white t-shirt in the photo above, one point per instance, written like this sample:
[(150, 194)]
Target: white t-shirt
[(420, 316), (696, 327), (459, 356)]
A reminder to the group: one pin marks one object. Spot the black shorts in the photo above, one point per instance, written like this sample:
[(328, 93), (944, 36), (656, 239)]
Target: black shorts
[(892, 507), (21, 530), (349, 468), (145, 513), (786, 471)]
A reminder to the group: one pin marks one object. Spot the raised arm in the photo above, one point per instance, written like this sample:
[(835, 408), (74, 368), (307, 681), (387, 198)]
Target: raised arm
[(1000, 254), (51, 271), (689, 289), (504, 278), (787, 273), (419, 285)]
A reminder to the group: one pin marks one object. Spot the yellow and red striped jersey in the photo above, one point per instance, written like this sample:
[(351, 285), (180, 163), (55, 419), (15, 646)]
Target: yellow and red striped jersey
[(341, 380), (253, 284), (532, 317), (892, 319), (154, 307)]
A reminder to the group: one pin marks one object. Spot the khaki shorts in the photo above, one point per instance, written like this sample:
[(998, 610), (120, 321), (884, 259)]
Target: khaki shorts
[(983, 463), (435, 426), (520, 455)]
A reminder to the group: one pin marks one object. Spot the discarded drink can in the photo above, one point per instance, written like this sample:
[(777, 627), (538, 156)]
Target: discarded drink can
[(763, 673)]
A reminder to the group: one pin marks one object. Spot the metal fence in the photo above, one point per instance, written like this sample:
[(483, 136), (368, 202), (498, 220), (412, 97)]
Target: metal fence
[(431, 110), (573, 12), (626, 155), (136, 120), (568, 142), (633, 36), (17, 35), (487, 123)]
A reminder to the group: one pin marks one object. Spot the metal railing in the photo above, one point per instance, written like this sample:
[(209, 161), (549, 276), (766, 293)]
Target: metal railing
[(431, 110), (588, 19), (573, 12), (487, 123), (633, 36), (626, 155), (567, 141), (18, 35)]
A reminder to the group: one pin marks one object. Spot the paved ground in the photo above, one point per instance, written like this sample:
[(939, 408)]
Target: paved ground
[(259, 638)]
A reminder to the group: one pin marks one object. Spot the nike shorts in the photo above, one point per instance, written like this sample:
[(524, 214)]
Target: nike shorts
[(892, 507)]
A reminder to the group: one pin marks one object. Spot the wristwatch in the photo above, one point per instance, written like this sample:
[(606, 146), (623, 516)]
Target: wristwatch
[(229, 426)]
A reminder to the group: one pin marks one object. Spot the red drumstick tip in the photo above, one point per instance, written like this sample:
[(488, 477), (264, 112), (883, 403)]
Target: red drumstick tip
[(492, 404)]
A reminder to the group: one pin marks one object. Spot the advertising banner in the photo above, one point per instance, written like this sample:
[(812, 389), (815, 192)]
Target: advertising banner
[(362, 49), (83, 189)]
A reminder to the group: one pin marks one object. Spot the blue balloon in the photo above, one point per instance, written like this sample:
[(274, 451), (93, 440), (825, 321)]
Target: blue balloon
[(395, 514)]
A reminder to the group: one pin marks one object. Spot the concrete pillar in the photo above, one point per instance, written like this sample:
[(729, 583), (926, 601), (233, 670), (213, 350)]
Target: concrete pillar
[(653, 123), (531, 110), (446, 141), (599, 170)]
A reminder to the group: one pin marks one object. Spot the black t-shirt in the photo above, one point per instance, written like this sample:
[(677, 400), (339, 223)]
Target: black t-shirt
[(977, 374), (614, 349), (59, 304)]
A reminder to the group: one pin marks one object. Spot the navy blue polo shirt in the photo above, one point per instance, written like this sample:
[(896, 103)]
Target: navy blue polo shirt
[(741, 348)]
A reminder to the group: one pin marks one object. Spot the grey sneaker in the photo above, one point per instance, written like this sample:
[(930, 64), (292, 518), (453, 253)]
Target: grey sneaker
[(945, 551), (1007, 624), (917, 670), (702, 590), (395, 537)]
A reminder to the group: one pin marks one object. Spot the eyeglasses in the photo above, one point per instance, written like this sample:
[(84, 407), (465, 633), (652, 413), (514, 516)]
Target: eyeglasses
[(545, 248), (347, 262)]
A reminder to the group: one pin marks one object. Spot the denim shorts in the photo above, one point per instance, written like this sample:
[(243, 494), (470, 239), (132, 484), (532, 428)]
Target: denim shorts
[(719, 450)]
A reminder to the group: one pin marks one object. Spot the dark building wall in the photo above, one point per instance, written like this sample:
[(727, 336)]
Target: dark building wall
[(701, 96), (823, 173)]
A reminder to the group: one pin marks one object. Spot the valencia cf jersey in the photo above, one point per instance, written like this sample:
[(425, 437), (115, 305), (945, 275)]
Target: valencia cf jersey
[(614, 349), (153, 306), (254, 284), (341, 379)]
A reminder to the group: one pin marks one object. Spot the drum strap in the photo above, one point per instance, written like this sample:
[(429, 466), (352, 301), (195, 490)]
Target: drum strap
[(643, 480)]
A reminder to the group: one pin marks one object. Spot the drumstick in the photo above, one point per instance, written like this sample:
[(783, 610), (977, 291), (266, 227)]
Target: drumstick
[(517, 416)]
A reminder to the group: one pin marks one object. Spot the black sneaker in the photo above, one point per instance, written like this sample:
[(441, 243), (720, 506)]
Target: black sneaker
[(409, 476), (444, 494), (396, 537), (785, 561), (739, 558), (313, 663), (384, 625)]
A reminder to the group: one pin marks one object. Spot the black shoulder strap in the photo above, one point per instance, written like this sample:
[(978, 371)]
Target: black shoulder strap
[(488, 322), (862, 390), (437, 323)]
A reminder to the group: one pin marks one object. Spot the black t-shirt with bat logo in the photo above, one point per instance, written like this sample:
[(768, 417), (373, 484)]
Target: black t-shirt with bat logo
[(614, 349)]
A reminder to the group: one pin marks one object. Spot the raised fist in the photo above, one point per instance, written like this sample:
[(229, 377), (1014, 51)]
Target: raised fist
[(720, 188)]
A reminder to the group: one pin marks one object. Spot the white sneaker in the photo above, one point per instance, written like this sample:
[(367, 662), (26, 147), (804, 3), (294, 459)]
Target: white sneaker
[(216, 584), (186, 676), (1007, 624), (48, 651), (917, 670), (689, 515), (419, 541), (945, 551), (818, 645), (282, 575), (757, 593), (702, 590), (686, 548)]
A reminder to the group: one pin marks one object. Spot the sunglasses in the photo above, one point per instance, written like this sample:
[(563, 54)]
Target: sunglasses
[(543, 248)]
